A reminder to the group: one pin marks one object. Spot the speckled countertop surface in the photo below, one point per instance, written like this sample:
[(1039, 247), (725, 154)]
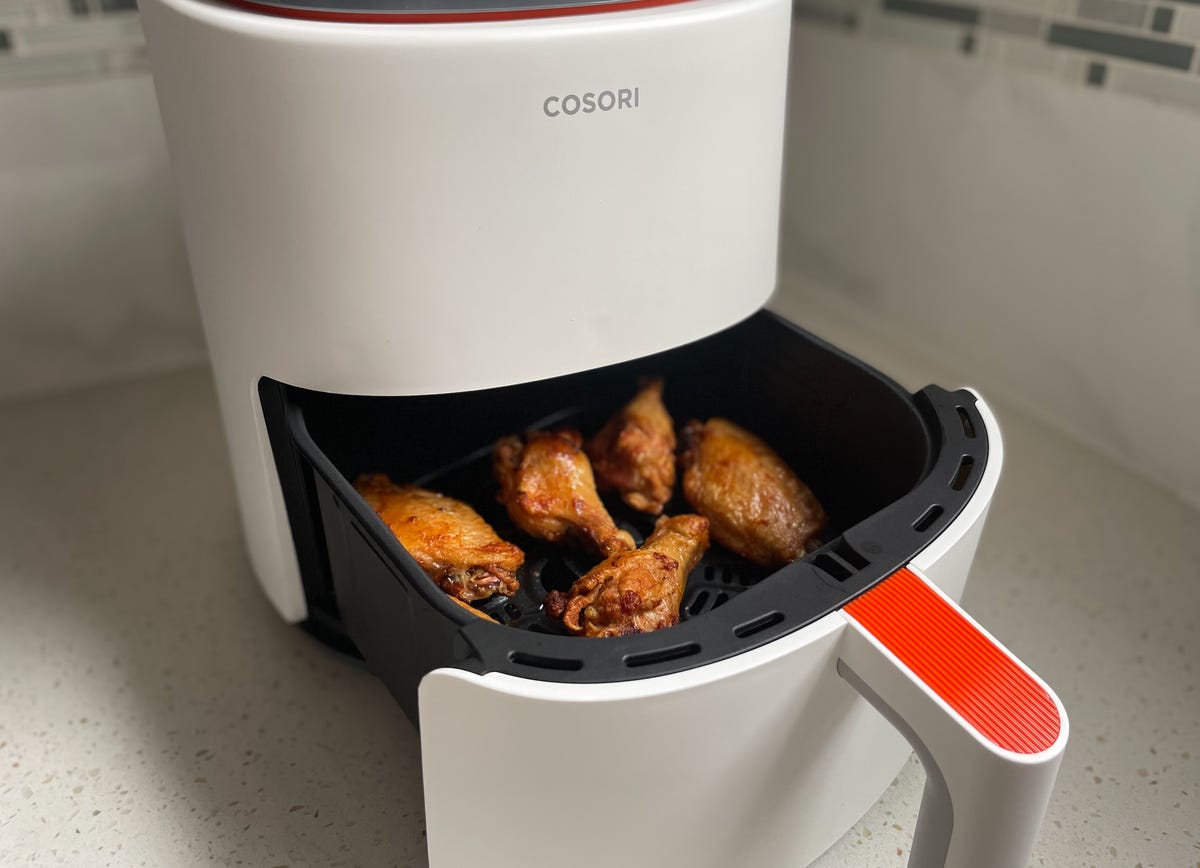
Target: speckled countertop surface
[(154, 710)]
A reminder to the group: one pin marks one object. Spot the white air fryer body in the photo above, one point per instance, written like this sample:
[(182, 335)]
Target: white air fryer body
[(388, 209), (413, 209)]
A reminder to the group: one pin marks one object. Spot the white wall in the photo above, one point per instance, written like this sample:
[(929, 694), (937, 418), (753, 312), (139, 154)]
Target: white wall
[(1044, 237), (93, 277)]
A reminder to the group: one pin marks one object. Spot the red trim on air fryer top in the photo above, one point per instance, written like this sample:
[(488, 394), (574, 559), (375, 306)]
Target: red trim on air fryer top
[(970, 672), (447, 17)]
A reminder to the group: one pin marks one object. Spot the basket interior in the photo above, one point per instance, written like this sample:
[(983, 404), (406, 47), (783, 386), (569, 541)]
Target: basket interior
[(884, 464)]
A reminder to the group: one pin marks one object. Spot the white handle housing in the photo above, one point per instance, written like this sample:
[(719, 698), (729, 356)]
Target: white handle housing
[(989, 732)]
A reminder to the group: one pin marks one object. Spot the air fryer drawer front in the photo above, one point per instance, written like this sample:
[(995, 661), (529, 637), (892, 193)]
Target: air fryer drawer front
[(892, 470)]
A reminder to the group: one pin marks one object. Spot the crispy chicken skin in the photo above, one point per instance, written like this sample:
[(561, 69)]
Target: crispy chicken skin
[(451, 542), (634, 453), (638, 591), (546, 484), (757, 506)]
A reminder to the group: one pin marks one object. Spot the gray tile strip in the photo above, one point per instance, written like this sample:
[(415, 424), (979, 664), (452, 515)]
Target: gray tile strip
[(1113, 12), (1172, 54), (943, 11)]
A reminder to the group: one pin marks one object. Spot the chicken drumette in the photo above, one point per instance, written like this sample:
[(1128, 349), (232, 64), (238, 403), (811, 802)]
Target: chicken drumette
[(547, 486), (638, 591), (634, 452), (449, 540), (757, 506)]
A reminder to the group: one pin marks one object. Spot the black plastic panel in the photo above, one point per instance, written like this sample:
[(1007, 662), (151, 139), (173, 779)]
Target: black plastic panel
[(887, 465)]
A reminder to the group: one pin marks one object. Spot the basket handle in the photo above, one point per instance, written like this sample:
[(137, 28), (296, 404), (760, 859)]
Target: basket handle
[(989, 732)]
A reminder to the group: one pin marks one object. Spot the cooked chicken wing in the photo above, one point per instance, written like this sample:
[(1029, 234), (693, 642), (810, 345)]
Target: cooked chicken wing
[(634, 452), (546, 484), (451, 542), (638, 591), (757, 505)]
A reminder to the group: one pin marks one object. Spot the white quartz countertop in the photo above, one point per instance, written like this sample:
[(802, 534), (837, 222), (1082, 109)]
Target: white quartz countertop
[(155, 711)]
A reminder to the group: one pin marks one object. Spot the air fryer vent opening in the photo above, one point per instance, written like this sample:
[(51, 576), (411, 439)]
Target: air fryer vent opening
[(847, 553), (965, 466), (925, 522), (762, 622), (537, 661), (839, 560), (832, 566), (661, 655), (964, 419)]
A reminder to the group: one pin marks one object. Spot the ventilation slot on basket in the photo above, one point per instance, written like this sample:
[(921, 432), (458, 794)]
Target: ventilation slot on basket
[(662, 655), (850, 555), (832, 566), (967, 425), (840, 560), (762, 622), (964, 470), (537, 661), (697, 605), (926, 521)]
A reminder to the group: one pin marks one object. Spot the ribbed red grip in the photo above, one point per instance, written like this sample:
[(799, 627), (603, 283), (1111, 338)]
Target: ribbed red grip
[(970, 672)]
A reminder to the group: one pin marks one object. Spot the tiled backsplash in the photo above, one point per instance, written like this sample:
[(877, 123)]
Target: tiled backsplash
[(1139, 47), (54, 39), (1041, 237)]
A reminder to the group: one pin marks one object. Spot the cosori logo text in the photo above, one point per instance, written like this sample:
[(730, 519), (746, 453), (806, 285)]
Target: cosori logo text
[(586, 103)]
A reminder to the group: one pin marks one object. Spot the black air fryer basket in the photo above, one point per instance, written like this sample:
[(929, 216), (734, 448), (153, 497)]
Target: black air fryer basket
[(892, 470)]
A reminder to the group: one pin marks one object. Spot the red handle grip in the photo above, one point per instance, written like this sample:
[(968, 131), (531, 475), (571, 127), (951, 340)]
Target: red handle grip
[(989, 733), (970, 672)]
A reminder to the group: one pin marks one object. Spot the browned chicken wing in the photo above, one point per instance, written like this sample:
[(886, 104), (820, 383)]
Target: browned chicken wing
[(634, 452), (546, 484), (756, 504), (638, 591), (451, 542)]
